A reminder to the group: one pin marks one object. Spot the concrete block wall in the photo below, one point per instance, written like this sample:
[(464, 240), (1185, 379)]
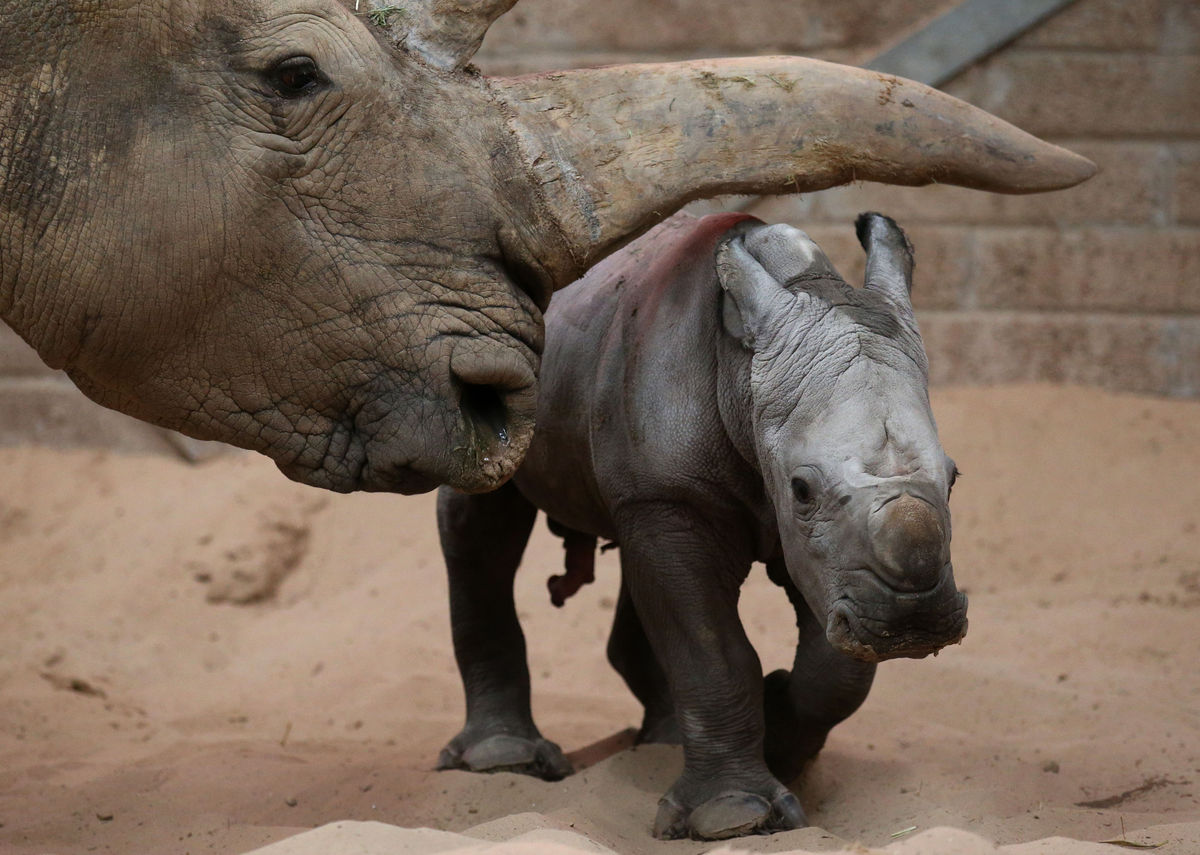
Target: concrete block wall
[(1097, 285), (539, 35), (42, 406)]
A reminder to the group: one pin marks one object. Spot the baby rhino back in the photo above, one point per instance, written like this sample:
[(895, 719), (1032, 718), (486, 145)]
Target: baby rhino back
[(627, 407)]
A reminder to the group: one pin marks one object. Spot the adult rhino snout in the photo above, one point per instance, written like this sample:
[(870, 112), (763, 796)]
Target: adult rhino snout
[(910, 543), (497, 396), (470, 430)]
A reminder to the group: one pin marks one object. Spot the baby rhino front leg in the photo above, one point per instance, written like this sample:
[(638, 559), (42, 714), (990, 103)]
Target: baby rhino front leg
[(823, 688), (683, 572)]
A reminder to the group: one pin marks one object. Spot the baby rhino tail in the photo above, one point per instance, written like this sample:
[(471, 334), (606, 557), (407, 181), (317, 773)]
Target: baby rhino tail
[(580, 562)]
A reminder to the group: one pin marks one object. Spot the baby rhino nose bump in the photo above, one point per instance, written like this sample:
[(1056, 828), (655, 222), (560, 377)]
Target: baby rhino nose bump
[(909, 541)]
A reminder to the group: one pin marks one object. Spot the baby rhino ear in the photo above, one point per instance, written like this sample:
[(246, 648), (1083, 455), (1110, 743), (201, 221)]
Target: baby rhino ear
[(754, 300), (889, 257), (788, 253)]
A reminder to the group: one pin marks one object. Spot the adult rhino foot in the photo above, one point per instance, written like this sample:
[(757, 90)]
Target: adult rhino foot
[(732, 813), (503, 752), (791, 741)]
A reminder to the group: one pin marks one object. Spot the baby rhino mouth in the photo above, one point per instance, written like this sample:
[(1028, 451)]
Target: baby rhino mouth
[(872, 621)]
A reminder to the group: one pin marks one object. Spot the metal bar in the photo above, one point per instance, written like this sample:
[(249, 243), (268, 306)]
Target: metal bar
[(961, 37)]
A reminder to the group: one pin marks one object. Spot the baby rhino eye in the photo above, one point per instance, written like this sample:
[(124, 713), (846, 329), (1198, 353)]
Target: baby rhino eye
[(801, 491)]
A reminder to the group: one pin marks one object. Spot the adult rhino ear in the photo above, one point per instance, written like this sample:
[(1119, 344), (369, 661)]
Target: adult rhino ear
[(889, 258), (753, 299), (445, 33)]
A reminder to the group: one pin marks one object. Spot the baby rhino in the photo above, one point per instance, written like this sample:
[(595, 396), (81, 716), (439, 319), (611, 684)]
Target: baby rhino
[(715, 395)]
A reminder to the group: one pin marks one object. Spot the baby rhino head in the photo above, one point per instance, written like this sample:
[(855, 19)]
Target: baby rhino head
[(845, 438)]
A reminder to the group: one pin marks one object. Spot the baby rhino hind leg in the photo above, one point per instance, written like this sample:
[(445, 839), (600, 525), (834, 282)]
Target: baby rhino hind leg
[(629, 652), (823, 688), (483, 537)]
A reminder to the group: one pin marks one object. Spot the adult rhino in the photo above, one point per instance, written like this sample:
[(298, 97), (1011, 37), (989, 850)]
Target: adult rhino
[(321, 235)]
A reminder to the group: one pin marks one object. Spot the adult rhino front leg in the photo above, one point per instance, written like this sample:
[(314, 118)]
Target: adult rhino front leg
[(823, 688), (683, 571), (483, 537)]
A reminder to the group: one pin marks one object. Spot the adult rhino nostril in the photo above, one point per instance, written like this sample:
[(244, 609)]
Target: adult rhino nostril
[(497, 398), (484, 406), (496, 389)]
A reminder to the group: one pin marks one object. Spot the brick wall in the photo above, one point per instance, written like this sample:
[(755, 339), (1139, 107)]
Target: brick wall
[(1099, 285)]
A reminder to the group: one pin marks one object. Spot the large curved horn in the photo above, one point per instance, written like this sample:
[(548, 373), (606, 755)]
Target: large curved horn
[(615, 150), (445, 33)]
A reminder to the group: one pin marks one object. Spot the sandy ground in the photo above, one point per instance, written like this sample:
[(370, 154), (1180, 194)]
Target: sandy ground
[(144, 709)]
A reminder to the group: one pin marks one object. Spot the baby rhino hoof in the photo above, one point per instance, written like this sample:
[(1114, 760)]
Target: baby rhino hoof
[(539, 758), (732, 814)]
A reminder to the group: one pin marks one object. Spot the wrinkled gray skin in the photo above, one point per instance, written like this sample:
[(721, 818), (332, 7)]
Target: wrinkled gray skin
[(716, 395), (207, 249), (273, 223), (209, 241)]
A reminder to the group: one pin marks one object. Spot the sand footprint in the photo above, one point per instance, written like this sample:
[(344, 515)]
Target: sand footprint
[(248, 563)]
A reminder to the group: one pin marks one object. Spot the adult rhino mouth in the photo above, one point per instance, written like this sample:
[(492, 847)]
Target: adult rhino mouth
[(474, 452), (470, 433), (871, 620), (398, 478), (485, 441)]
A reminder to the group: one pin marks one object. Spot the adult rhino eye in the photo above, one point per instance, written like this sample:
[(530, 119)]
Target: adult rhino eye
[(802, 491), (295, 77)]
